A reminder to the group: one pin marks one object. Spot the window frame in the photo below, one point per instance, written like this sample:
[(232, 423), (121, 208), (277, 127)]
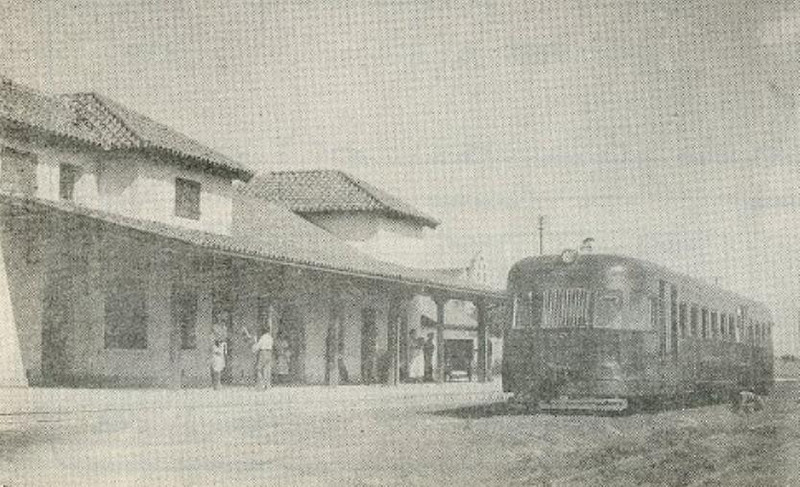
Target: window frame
[(683, 321), (68, 177), (188, 195)]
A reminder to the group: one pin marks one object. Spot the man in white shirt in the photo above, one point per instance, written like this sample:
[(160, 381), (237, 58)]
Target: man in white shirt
[(263, 350)]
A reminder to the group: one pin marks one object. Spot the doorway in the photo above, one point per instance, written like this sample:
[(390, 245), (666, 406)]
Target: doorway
[(290, 328)]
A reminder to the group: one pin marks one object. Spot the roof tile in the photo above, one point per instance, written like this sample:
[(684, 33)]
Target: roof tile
[(319, 191), (96, 119), (298, 242)]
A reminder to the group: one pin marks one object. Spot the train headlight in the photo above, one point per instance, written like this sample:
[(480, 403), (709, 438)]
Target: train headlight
[(568, 256)]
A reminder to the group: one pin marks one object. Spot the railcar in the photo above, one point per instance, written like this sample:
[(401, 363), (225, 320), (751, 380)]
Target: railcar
[(612, 333)]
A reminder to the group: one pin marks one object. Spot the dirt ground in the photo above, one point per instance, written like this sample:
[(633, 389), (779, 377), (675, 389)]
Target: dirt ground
[(457, 434)]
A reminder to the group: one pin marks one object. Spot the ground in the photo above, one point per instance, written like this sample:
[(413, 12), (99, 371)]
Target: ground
[(457, 434)]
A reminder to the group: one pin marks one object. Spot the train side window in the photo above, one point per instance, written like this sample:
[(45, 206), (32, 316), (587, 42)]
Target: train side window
[(723, 326), (704, 323), (731, 327), (682, 308), (740, 327), (693, 318), (673, 316), (715, 333), (654, 314)]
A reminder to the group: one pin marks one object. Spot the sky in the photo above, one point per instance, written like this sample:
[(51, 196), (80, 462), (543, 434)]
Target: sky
[(666, 130)]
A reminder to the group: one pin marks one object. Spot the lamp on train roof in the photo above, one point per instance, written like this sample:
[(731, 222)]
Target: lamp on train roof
[(586, 245)]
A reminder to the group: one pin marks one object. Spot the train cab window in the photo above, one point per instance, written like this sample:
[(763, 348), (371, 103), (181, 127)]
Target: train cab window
[(522, 310), (571, 308), (704, 323), (715, 333), (683, 319), (693, 319)]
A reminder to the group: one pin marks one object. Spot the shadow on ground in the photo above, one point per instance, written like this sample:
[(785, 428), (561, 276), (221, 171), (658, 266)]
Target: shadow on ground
[(510, 408)]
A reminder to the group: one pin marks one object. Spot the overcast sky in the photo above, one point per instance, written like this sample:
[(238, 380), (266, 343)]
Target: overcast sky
[(665, 130)]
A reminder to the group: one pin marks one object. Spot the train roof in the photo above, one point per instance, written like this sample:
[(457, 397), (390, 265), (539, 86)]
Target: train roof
[(546, 262)]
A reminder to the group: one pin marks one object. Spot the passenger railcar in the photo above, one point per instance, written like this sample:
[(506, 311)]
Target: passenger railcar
[(606, 332)]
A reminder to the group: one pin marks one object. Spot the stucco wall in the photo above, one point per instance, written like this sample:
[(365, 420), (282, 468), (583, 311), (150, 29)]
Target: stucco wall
[(361, 225), (129, 183), (155, 196), (72, 260)]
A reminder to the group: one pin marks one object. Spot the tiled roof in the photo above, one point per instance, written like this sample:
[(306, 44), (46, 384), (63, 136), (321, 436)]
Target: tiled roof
[(93, 118), (320, 191), (26, 106), (121, 127), (291, 241)]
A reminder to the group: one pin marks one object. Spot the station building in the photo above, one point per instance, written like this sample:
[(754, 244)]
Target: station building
[(376, 223), (128, 247)]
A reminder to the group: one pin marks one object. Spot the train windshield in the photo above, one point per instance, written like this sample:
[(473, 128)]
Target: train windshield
[(554, 308)]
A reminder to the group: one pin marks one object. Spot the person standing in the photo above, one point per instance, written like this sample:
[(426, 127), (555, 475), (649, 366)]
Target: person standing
[(218, 351), (263, 350), (427, 351), (283, 354), (416, 366)]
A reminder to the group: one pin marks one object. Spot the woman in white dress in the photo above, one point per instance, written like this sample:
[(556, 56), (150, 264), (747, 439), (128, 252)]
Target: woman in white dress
[(416, 362)]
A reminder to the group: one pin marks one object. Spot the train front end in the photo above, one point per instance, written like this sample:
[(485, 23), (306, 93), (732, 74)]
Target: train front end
[(579, 338)]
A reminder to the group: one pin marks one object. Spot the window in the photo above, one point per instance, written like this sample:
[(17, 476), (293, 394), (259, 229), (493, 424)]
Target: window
[(673, 316), (17, 171), (658, 316), (704, 323), (723, 326), (741, 311), (570, 308), (522, 310), (683, 319), (67, 179), (654, 323), (715, 333), (608, 309), (693, 319), (187, 199), (126, 313), (184, 302)]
